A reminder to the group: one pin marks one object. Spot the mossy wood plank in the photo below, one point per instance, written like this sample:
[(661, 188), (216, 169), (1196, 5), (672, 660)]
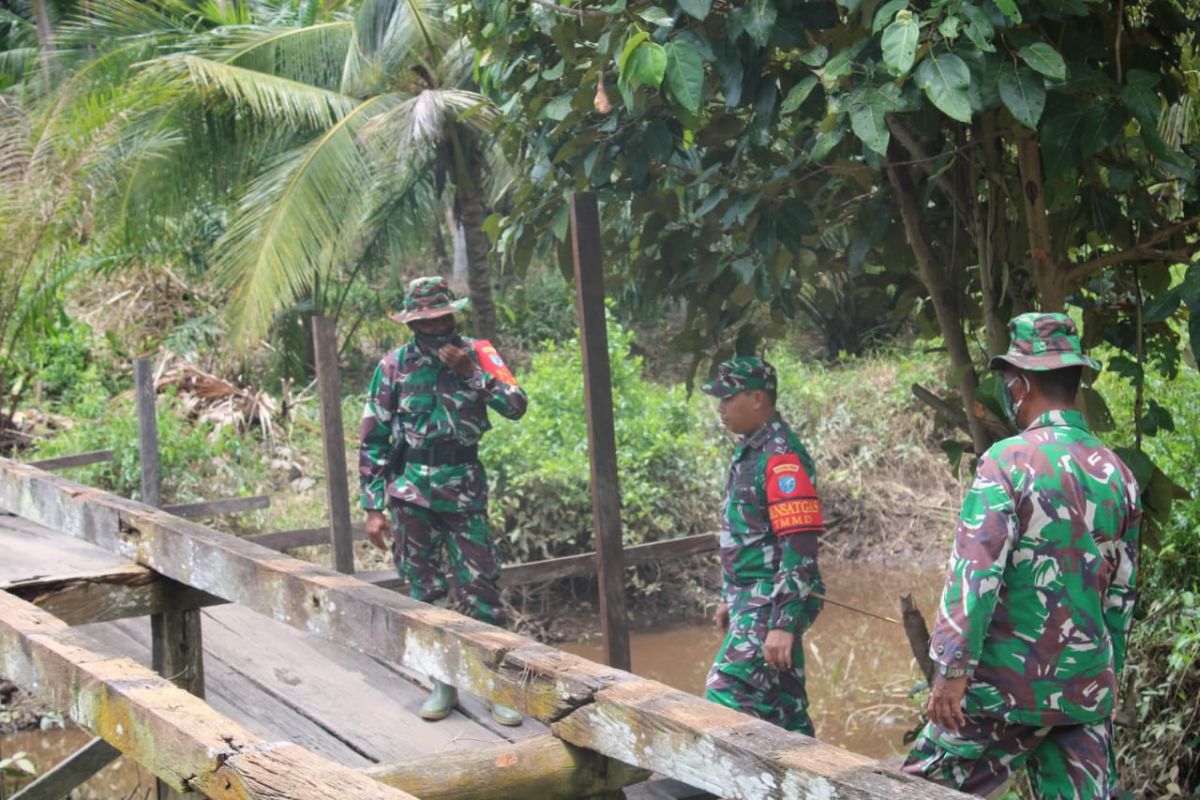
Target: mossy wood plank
[(170, 732), (728, 753)]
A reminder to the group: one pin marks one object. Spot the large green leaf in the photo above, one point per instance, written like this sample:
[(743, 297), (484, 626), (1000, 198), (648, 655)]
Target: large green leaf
[(1045, 59), (980, 30), (685, 75), (656, 15), (946, 80), (1009, 9), (798, 94), (647, 65), (1023, 93), (900, 43), (868, 122), (758, 18), (886, 13), (696, 8)]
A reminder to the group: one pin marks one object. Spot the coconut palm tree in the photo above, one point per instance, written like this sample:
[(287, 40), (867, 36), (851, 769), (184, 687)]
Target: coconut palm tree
[(361, 125)]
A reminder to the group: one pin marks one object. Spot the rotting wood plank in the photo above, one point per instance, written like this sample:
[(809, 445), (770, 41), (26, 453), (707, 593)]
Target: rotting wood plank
[(76, 768), (105, 594), (692, 740), (170, 732), (76, 460), (303, 537), (228, 505), (541, 767), (729, 753)]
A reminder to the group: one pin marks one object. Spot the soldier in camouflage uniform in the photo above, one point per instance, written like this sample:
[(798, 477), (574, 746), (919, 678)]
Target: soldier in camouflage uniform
[(1030, 635), (771, 519), (431, 397)]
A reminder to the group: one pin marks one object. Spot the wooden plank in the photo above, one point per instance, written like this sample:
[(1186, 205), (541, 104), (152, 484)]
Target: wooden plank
[(229, 505), (107, 594), (303, 537), (585, 563), (652, 726), (602, 441), (178, 653), (77, 460), (143, 389), (333, 442), (728, 753), (72, 771), (541, 767), (165, 729)]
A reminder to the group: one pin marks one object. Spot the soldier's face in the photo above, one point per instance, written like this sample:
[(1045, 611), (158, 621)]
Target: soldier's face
[(742, 413)]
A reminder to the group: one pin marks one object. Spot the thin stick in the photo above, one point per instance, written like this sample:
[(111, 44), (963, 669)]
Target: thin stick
[(833, 602)]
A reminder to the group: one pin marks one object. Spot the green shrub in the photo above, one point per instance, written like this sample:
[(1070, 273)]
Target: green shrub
[(670, 472), (199, 461)]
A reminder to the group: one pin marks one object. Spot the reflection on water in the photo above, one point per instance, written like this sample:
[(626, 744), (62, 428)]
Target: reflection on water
[(120, 780), (860, 669)]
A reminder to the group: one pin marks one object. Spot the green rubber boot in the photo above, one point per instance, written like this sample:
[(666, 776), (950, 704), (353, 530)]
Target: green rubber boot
[(505, 715), (441, 701)]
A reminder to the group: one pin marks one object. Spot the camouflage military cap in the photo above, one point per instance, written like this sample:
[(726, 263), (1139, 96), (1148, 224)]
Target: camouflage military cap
[(427, 298), (1042, 342), (740, 374)]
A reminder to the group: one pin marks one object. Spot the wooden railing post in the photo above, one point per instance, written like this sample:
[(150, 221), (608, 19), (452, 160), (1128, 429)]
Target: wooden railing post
[(602, 441), (333, 439), (176, 647)]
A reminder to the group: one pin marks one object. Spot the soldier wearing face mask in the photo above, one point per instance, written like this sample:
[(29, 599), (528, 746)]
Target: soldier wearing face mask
[(1030, 635), (426, 410)]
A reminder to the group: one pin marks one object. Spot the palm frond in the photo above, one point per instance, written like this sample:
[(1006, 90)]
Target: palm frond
[(298, 222), (314, 54), (122, 21), (403, 31), (268, 97), (15, 62), (420, 122)]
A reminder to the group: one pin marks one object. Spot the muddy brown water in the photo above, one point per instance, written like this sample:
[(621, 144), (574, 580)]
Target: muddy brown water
[(860, 673), (860, 670)]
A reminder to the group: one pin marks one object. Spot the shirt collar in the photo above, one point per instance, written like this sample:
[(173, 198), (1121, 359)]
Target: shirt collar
[(1060, 418), (764, 432)]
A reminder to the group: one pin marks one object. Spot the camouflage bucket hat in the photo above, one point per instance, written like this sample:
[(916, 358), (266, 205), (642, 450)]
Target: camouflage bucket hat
[(427, 298), (1042, 342), (740, 374)]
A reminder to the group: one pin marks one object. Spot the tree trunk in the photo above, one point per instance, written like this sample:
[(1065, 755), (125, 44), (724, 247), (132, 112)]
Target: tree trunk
[(988, 219), (45, 35), (942, 295), (1050, 279), (468, 205)]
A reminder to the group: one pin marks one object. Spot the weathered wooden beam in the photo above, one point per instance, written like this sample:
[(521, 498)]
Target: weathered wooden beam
[(176, 647), (72, 771), (103, 595), (728, 753), (540, 768), (647, 724), (302, 537), (228, 505), (602, 441), (76, 460), (333, 443), (168, 731)]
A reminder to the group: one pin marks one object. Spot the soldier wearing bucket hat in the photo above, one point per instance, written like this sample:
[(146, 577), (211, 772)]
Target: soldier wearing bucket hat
[(1031, 630), (771, 520), (426, 410)]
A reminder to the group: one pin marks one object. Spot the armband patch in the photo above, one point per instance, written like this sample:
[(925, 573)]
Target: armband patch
[(792, 503), (491, 362)]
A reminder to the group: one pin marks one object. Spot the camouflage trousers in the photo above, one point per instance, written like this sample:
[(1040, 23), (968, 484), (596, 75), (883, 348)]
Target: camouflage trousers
[(740, 678), (1065, 762), (473, 563)]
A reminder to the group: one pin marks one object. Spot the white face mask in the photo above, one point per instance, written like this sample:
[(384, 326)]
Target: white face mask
[(1012, 407)]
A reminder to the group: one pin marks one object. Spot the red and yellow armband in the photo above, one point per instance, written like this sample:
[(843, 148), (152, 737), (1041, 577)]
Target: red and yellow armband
[(491, 362), (792, 504)]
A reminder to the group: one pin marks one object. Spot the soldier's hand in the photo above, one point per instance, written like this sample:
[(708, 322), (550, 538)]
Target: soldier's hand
[(722, 616), (457, 359), (378, 528), (777, 649), (945, 702)]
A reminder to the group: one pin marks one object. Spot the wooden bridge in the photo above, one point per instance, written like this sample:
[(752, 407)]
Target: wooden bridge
[(74, 556)]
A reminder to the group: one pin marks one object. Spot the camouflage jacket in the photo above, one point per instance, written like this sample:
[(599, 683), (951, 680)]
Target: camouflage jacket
[(415, 395), (1040, 586), (769, 496)]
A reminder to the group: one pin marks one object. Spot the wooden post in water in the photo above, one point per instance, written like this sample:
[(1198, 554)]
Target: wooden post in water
[(176, 648), (333, 440), (602, 442)]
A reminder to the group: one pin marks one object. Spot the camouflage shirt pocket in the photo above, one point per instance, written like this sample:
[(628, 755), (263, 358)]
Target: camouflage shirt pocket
[(957, 744)]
